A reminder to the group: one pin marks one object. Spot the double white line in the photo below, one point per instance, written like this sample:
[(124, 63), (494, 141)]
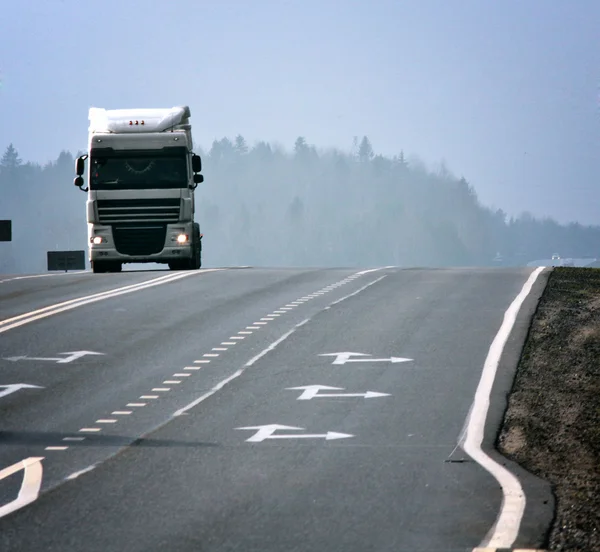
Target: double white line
[(26, 318)]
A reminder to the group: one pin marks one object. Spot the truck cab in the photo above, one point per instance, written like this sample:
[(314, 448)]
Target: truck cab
[(141, 177)]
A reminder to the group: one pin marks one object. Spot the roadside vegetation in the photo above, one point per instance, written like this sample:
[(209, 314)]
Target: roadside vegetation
[(552, 424), (263, 206)]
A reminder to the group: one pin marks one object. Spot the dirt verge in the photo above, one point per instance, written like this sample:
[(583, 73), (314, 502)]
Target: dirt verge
[(552, 424)]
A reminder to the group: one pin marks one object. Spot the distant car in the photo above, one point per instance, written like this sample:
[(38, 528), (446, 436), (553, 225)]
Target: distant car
[(556, 257)]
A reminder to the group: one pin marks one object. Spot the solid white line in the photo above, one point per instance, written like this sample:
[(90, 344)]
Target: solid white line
[(506, 528), (254, 359), (26, 318), (78, 299), (41, 276), (354, 292)]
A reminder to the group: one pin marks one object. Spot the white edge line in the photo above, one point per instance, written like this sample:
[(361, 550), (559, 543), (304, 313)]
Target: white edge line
[(29, 276), (254, 359), (76, 474), (506, 527)]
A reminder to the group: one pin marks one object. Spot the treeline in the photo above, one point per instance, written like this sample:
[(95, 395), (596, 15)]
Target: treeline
[(264, 206)]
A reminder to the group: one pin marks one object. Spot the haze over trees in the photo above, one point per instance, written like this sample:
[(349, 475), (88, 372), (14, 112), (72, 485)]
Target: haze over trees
[(261, 205)]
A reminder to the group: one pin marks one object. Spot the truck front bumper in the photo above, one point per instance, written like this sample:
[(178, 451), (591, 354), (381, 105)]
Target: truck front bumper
[(131, 246)]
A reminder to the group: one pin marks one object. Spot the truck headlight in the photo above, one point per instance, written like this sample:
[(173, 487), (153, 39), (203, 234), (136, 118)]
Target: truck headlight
[(97, 240), (182, 238)]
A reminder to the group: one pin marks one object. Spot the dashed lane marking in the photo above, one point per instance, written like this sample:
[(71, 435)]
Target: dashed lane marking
[(234, 339)]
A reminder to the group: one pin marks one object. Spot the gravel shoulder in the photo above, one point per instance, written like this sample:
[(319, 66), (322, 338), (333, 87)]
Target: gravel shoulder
[(552, 423)]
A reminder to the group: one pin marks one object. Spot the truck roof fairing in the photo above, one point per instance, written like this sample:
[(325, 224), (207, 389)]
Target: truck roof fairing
[(138, 120)]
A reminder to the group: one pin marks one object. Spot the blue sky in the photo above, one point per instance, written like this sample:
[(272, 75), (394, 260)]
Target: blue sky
[(506, 93)]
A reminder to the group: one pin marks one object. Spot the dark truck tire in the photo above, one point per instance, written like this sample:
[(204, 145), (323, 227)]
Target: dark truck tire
[(106, 266)]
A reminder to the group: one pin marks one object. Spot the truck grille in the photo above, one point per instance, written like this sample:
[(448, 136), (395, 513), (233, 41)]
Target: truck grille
[(111, 211), (139, 240)]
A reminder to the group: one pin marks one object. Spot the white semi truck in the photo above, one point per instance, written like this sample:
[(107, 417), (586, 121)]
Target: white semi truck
[(141, 178)]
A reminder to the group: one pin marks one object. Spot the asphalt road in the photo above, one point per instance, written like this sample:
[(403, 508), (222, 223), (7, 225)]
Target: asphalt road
[(136, 429)]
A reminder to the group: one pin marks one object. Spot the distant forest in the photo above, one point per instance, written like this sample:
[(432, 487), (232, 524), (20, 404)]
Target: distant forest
[(264, 206)]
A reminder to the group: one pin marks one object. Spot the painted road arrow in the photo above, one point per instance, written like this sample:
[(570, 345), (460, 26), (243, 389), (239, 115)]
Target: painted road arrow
[(344, 358), (14, 387), (73, 355), (312, 391), (266, 432), (30, 487)]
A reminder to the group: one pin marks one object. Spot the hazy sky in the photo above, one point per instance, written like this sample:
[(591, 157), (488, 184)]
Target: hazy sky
[(506, 93)]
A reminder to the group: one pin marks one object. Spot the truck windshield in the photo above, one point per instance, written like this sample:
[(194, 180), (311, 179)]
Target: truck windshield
[(137, 172)]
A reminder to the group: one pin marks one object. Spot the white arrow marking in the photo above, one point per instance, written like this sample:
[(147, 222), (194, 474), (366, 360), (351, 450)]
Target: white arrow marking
[(14, 387), (30, 487), (73, 355), (266, 432), (343, 358), (312, 391)]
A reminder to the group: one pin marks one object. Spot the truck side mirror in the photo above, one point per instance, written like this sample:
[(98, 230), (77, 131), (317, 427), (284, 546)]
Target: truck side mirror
[(196, 163), (80, 166), (79, 183), (198, 179)]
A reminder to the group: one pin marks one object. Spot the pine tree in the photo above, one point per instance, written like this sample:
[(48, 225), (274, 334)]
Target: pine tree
[(365, 150), (10, 160)]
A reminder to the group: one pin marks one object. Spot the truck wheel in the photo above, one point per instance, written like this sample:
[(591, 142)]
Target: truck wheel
[(98, 267), (175, 265), (197, 259)]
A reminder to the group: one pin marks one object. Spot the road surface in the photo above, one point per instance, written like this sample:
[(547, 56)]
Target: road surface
[(260, 410)]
